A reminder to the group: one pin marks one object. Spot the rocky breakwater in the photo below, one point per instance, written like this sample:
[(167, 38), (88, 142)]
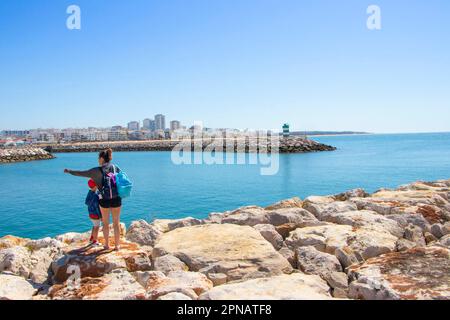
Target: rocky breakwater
[(393, 244), (284, 145), (23, 154)]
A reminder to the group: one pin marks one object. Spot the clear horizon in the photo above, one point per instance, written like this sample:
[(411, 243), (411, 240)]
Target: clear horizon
[(231, 64)]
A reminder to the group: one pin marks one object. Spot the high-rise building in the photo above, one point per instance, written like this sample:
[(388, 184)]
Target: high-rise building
[(152, 125), (160, 122), (146, 124), (175, 125), (133, 126)]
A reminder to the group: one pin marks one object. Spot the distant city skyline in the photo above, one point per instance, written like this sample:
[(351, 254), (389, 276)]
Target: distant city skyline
[(236, 64)]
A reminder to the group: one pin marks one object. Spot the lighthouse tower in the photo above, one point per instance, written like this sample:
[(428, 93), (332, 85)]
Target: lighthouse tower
[(286, 131)]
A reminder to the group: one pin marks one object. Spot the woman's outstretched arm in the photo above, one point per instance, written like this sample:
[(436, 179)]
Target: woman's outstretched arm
[(92, 173)]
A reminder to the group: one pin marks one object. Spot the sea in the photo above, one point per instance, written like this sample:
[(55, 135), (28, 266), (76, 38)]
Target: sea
[(38, 200)]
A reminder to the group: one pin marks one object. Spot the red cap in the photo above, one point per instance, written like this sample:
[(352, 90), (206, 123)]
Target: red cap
[(92, 184)]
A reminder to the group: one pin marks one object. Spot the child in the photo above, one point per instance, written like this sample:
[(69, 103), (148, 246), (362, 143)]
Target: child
[(92, 201)]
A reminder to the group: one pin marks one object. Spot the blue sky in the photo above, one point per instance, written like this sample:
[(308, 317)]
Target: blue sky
[(229, 63)]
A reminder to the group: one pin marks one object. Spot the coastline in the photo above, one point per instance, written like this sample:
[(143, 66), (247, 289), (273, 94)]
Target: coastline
[(351, 245)]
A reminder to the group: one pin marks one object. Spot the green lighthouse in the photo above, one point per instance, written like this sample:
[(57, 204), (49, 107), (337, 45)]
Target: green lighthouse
[(286, 130)]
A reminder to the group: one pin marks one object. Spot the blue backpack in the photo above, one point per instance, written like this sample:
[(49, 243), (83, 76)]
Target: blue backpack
[(124, 185)]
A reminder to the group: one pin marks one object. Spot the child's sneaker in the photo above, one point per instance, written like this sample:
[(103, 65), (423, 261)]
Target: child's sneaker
[(93, 243)]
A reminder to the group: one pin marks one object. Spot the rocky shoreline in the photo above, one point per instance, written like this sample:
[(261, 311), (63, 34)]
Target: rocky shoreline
[(393, 244), (23, 155), (286, 145)]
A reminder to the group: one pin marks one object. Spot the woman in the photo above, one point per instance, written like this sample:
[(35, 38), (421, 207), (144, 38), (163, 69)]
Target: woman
[(111, 201)]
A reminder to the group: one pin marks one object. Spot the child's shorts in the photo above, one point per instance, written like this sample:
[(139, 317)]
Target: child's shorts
[(96, 222)]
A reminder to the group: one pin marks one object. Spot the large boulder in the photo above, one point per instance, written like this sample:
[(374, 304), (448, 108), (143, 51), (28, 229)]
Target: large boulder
[(173, 296), (289, 203), (16, 260), (246, 216), (31, 262), (321, 207), (11, 241), (191, 284), (354, 193), (162, 225), (296, 286), (364, 218), (186, 222), (269, 233), (327, 266), (295, 216), (15, 288), (117, 285), (142, 233), (237, 251), (95, 261), (362, 242), (169, 263), (419, 273)]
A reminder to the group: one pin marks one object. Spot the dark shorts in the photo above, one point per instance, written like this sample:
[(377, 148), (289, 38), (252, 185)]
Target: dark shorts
[(111, 203)]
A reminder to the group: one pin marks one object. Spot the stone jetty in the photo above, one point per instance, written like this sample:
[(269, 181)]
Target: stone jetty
[(389, 245), (286, 145), (23, 154)]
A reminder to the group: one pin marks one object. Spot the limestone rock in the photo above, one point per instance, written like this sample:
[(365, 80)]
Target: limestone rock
[(117, 285), (269, 233), (355, 193), (246, 216), (191, 284), (296, 286), (16, 260), (419, 273), (312, 261), (429, 238), (214, 217), (327, 266), (142, 233), (290, 203), (7, 242), (404, 245), (365, 243), (237, 251), (169, 263), (217, 278), (162, 225), (445, 241), (15, 288), (437, 230), (322, 209), (347, 256), (415, 234), (144, 278), (73, 237), (289, 255), (175, 296), (45, 244), (187, 222), (414, 219), (95, 261), (27, 262), (297, 217), (364, 218)]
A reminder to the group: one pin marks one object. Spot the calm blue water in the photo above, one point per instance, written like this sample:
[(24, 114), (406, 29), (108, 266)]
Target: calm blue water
[(37, 199)]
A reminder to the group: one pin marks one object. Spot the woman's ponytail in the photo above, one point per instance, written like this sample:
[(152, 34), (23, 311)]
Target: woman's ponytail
[(106, 155)]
